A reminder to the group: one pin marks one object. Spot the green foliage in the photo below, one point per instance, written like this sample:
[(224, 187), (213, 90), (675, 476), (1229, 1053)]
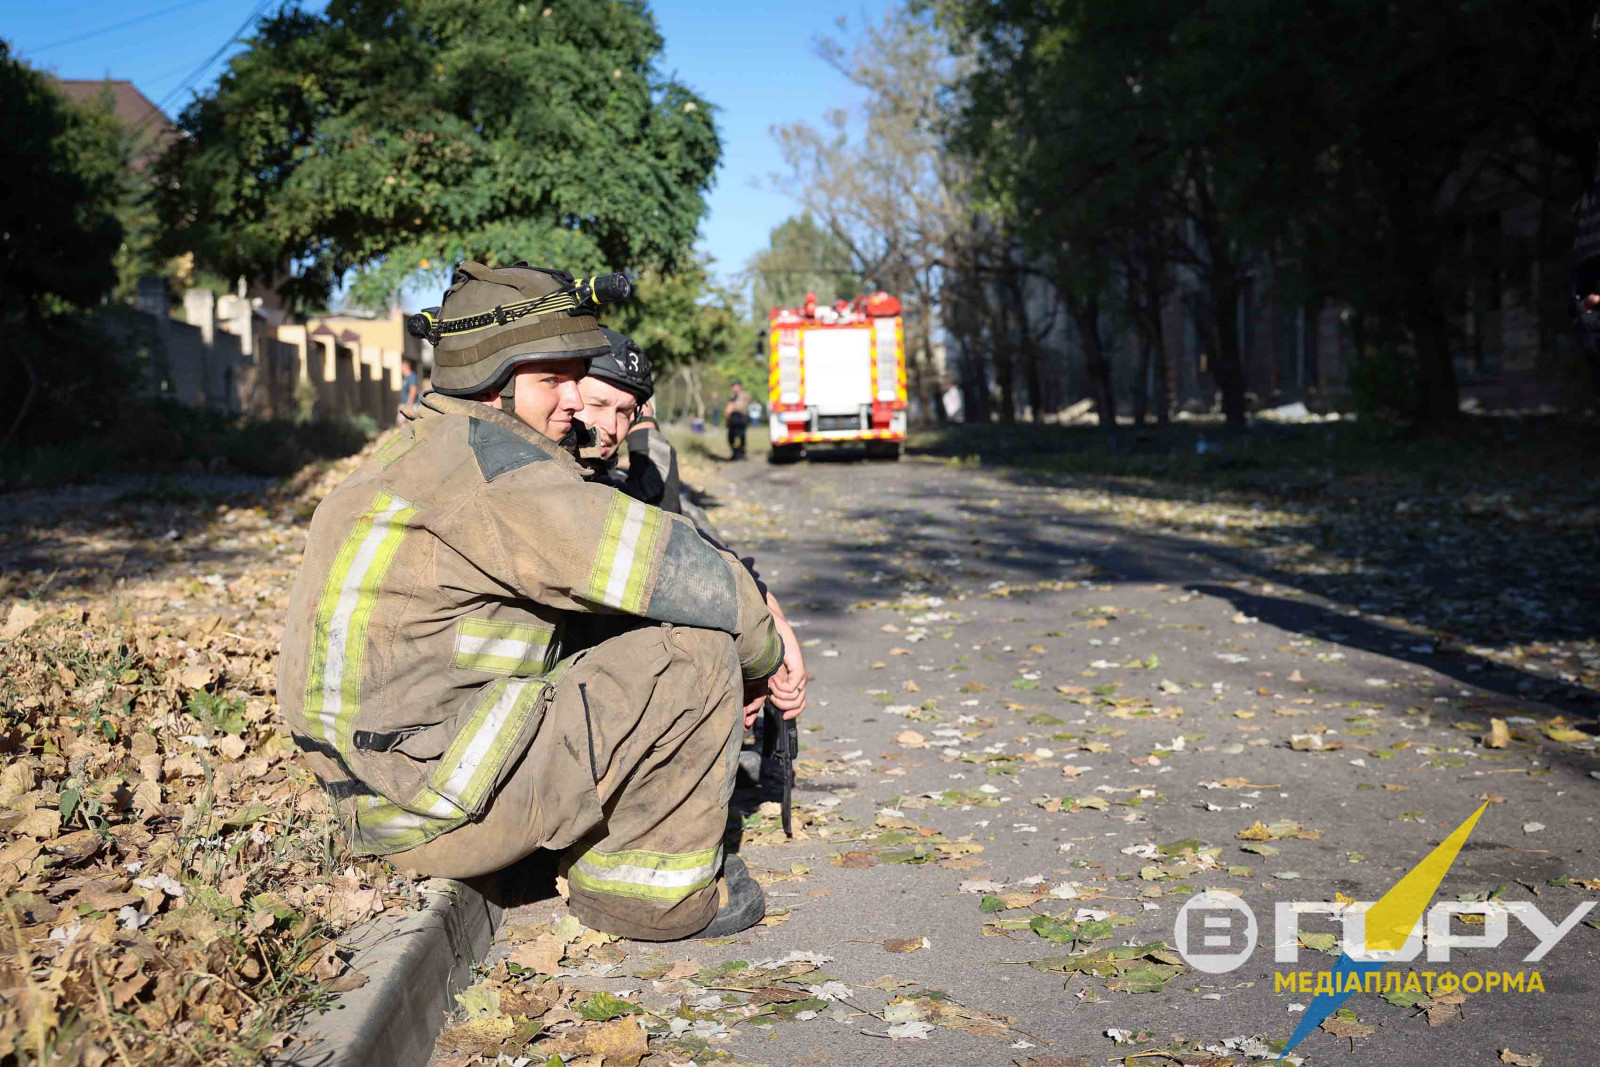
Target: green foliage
[(119, 157), (57, 194), (222, 715), (801, 257), (682, 317), (602, 1006), (378, 143), (1334, 149)]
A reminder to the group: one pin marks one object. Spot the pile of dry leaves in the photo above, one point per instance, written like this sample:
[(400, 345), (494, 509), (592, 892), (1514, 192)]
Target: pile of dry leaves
[(172, 882)]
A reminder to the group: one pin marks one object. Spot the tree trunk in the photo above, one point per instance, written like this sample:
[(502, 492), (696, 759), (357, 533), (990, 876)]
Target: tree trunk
[(27, 397), (1226, 365), (1156, 337), (1222, 279), (1027, 346), (1163, 386), (1005, 375), (1438, 399), (1141, 392), (925, 343), (1085, 312)]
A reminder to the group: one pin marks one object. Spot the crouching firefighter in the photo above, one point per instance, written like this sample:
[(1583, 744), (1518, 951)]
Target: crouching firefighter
[(425, 670), (616, 408)]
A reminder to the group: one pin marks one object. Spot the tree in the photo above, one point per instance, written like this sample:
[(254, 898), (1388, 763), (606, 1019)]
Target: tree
[(1390, 132), (801, 257), (59, 172), (880, 181), (1340, 148), (680, 318), (380, 142), (1073, 114)]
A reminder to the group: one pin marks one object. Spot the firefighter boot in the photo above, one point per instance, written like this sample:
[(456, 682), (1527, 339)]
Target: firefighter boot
[(740, 902)]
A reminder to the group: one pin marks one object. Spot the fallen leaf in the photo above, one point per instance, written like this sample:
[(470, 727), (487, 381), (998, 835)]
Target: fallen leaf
[(196, 676), (855, 861), (1499, 735), (345, 982), (905, 944), (541, 955), (1443, 1008), (21, 616), (1344, 1023), (621, 1042), (41, 824), (480, 1035)]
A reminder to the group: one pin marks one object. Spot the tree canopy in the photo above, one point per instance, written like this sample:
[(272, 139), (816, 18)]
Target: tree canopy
[(801, 257), (58, 187), (1341, 150), (61, 174), (681, 317), (379, 142)]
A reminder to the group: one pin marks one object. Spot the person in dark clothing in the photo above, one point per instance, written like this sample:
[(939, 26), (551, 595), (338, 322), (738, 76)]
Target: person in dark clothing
[(737, 415), (616, 407)]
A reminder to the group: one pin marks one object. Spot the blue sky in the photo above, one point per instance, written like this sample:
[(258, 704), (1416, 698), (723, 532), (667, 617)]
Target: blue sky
[(754, 60)]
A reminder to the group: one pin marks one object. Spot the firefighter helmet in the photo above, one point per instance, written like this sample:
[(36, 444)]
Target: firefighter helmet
[(624, 365), (494, 320)]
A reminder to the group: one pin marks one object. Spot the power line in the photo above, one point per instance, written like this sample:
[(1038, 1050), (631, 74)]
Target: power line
[(113, 28), (196, 74), (804, 270)]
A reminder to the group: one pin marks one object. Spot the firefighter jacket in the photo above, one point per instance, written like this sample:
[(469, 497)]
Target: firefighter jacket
[(652, 474), (425, 628)]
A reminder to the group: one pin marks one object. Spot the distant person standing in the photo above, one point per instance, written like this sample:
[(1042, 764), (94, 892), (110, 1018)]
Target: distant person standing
[(736, 414), (410, 391)]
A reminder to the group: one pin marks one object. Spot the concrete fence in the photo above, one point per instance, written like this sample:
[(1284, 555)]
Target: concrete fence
[(229, 358)]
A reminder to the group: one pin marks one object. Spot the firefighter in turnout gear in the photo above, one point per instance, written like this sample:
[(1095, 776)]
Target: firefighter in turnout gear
[(425, 672), (616, 407)]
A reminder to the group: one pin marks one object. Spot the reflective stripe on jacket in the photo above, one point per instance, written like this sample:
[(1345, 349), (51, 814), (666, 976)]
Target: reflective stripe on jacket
[(425, 626)]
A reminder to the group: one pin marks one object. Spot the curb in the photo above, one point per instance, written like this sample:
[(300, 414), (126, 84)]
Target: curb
[(416, 962)]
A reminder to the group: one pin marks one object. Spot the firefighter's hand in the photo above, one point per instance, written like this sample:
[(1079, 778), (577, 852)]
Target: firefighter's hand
[(755, 694), (788, 685)]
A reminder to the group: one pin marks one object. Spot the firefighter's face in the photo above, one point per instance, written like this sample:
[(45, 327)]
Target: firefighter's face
[(547, 396), (610, 411)]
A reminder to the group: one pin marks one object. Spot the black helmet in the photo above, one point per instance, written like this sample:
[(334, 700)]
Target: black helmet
[(624, 366)]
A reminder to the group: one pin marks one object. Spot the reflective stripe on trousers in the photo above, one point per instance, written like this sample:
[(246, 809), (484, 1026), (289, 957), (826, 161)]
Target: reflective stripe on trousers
[(659, 877)]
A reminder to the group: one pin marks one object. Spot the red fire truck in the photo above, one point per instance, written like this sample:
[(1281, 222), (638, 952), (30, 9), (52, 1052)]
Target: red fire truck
[(837, 376)]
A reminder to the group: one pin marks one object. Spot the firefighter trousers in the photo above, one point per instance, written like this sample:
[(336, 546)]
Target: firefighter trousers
[(631, 773)]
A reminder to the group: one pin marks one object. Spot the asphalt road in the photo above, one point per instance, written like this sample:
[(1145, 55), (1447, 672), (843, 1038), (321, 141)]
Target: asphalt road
[(1070, 696)]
